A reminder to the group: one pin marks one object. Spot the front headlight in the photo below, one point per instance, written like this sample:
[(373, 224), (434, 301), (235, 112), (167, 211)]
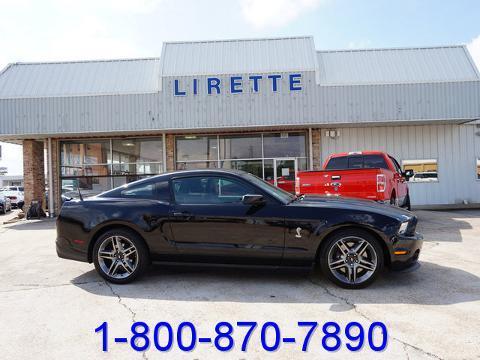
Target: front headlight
[(403, 227)]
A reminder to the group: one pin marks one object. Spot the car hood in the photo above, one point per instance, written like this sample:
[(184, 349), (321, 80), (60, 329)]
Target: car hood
[(353, 204)]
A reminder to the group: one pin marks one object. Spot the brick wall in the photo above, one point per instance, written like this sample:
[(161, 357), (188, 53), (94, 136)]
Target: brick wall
[(316, 153), (33, 172), (170, 146)]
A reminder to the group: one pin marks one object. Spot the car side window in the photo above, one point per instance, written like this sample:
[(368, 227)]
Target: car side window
[(163, 191), (209, 190), (397, 165), (141, 191)]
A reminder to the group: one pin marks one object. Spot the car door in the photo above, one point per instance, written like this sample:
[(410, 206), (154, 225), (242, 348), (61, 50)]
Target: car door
[(210, 223), (400, 182)]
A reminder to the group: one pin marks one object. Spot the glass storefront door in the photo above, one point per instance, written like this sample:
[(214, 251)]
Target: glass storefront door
[(285, 171)]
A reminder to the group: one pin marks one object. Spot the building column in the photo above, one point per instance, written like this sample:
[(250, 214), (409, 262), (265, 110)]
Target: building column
[(316, 149), (33, 172), (170, 149), (55, 187)]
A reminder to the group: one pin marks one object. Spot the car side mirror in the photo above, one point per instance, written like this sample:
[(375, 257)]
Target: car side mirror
[(252, 199), (407, 174)]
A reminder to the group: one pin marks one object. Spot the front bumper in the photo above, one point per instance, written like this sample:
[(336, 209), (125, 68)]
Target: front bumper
[(66, 250), (406, 251)]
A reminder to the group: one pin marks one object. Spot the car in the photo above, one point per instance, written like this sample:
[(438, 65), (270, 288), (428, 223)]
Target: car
[(234, 217), (5, 203), (425, 176), (15, 194), (372, 175)]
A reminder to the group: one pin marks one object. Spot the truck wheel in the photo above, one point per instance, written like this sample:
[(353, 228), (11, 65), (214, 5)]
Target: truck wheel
[(393, 200), (407, 203), (351, 258)]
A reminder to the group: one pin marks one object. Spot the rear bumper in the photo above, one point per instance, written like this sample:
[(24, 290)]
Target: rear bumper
[(408, 251), (65, 250)]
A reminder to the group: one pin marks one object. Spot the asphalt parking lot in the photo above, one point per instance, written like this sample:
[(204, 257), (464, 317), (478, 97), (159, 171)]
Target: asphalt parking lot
[(51, 306)]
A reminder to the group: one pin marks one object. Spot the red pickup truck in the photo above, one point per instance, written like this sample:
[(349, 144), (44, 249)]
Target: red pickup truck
[(372, 175)]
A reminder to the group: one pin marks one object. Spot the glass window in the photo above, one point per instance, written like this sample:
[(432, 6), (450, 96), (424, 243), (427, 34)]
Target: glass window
[(96, 167), (396, 164), (89, 186), (355, 162), (240, 147), (142, 191), (196, 165), (85, 152), (337, 163), (196, 148), (163, 191), (208, 190), (127, 151), (284, 145), (423, 170), (374, 161), (251, 166)]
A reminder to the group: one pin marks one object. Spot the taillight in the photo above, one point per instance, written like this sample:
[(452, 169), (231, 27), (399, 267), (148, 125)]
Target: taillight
[(381, 183), (297, 186)]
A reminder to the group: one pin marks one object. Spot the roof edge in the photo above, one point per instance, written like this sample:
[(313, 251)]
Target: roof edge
[(239, 39), (82, 61), (454, 46)]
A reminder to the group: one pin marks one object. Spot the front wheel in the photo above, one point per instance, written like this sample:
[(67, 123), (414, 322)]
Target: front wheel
[(120, 256), (351, 258), (408, 206)]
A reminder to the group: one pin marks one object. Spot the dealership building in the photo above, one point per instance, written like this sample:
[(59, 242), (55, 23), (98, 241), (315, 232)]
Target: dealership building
[(268, 106)]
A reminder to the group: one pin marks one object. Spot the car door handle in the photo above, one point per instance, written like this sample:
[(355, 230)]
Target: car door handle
[(180, 213)]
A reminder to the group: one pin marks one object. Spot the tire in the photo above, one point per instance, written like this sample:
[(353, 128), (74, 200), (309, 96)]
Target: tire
[(408, 206), (333, 254), (393, 200), (123, 268)]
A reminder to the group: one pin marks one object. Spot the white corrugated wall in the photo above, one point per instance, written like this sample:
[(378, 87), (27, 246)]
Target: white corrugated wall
[(456, 148)]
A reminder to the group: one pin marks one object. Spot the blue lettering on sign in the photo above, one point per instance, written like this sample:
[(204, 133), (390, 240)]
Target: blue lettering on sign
[(235, 83), (255, 79), (214, 85), (274, 79), (178, 92), (295, 82)]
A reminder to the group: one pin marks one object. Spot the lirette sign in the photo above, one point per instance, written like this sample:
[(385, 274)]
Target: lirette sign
[(237, 84)]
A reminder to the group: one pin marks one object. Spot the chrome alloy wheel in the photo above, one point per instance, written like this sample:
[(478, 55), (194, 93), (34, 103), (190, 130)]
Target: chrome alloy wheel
[(117, 257), (352, 260)]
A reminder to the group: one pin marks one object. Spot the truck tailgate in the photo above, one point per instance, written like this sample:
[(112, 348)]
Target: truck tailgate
[(359, 183)]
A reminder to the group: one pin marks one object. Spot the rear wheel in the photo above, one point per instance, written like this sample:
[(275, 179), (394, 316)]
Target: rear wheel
[(351, 258), (120, 256)]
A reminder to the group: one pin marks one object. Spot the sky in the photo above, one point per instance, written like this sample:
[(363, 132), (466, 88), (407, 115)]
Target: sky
[(50, 30)]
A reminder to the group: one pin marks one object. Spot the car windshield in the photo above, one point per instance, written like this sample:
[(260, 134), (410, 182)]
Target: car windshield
[(276, 192)]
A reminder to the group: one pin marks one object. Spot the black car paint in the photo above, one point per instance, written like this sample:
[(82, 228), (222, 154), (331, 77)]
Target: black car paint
[(273, 233)]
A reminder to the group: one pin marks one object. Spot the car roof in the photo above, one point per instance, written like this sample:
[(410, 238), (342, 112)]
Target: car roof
[(172, 174)]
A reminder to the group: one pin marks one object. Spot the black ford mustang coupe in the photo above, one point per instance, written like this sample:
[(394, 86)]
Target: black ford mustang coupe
[(233, 217)]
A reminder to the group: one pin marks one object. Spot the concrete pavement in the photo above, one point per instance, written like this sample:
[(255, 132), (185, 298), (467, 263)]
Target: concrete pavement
[(50, 307)]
